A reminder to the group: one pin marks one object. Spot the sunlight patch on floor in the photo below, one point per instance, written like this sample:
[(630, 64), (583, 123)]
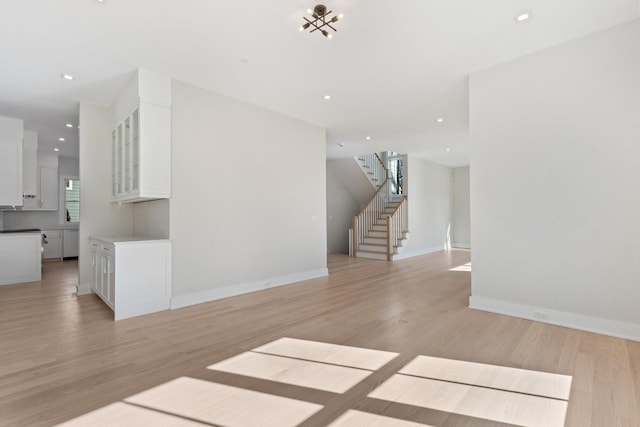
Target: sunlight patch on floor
[(353, 418), (463, 267), (224, 405), (354, 357), (320, 376), (498, 377), (508, 395), (122, 414), (482, 391)]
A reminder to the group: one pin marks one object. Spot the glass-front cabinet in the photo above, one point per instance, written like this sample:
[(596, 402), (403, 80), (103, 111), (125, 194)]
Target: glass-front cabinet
[(141, 155)]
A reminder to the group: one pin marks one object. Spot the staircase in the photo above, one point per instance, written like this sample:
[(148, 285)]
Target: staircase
[(380, 230)]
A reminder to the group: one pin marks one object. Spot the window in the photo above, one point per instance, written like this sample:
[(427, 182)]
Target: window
[(72, 200)]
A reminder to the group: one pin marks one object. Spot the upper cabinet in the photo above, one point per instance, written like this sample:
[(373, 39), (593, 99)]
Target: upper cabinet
[(11, 179), (141, 140), (40, 176), (29, 166)]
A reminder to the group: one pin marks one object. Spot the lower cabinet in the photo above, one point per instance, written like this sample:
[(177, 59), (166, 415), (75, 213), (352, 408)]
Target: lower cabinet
[(53, 245), (132, 275)]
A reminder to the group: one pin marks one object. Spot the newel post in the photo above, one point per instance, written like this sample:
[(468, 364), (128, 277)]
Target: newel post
[(354, 240), (389, 238)]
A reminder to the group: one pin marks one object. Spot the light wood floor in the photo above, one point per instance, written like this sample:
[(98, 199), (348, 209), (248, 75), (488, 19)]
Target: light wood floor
[(62, 356)]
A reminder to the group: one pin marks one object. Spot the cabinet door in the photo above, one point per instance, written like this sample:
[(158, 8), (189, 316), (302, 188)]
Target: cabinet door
[(114, 165), (127, 154), (135, 151), (95, 270), (48, 188), (10, 172), (119, 159), (111, 281), (53, 247)]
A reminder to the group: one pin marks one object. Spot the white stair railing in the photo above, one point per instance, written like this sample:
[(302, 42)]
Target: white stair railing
[(397, 226), (374, 167)]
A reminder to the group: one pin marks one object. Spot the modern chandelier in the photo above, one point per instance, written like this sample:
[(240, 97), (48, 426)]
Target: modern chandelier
[(320, 20)]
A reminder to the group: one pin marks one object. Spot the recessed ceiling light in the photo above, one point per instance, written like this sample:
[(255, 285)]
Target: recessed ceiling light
[(341, 144), (67, 76), (448, 149), (56, 149), (69, 125), (61, 139), (102, 1), (524, 16), (367, 138), (439, 120), (327, 97)]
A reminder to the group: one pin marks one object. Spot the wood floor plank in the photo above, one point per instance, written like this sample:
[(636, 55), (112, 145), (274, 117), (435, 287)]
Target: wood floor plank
[(62, 356)]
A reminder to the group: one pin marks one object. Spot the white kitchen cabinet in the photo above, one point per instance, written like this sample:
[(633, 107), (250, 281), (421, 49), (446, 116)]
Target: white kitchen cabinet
[(141, 140), (47, 196), (53, 245), (11, 152), (20, 257), (48, 188), (29, 168), (132, 275), (70, 244)]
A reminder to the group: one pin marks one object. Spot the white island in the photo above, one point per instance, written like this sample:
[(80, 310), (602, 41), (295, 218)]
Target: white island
[(20, 257)]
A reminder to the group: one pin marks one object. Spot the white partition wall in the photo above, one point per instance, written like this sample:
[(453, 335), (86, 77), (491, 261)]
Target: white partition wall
[(555, 169), (248, 206)]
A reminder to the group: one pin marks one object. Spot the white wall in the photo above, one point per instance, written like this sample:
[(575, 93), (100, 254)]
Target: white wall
[(151, 219), (98, 216), (428, 188), (342, 206), (249, 206), (555, 158), (460, 208)]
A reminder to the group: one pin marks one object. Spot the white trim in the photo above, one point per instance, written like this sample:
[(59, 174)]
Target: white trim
[(83, 289), (461, 245), (614, 328), (243, 288), (412, 254)]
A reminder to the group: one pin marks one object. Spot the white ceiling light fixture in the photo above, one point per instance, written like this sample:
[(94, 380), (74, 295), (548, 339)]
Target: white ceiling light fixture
[(522, 17), (341, 144), (320, 20), (439, 120), (56, 149), (367, 137), (448, 149), (61, 139), (69, 125), (327, 97), (67, 76)]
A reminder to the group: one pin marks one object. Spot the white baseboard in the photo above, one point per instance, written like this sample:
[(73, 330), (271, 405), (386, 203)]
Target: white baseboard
[(404, 255), (83, 289), (461, 245), (180, 301), (614, 328)]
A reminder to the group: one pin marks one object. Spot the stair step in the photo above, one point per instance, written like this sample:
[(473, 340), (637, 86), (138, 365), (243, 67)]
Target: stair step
[(371, 255), (372, 247), (381, 234)]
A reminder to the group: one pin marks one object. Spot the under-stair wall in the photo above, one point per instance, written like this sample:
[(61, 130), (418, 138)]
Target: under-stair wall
[(342, 205), (428, 187)]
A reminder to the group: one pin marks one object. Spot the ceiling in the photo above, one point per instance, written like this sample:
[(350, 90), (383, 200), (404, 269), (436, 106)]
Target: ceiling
[(391, 69)]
